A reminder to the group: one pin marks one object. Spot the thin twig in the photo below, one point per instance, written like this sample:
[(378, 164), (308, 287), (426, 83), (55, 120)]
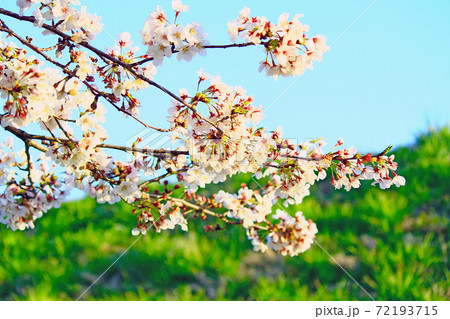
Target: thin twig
[(157, 179), (29, 165), (223, 46)]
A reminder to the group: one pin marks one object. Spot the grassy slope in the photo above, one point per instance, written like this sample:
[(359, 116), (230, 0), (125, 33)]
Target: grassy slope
[(393, 242)]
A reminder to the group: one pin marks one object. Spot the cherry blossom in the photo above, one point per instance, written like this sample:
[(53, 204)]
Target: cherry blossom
[(288, 51), (54, 103), (178, 6)]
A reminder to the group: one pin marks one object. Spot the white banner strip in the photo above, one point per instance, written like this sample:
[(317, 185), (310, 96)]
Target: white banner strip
[(226, 310)]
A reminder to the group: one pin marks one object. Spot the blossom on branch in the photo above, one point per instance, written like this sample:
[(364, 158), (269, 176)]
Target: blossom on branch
[(288, 50), (55, 103)]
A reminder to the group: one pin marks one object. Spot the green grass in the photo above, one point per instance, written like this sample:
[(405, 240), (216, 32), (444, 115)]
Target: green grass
[(393, 242)]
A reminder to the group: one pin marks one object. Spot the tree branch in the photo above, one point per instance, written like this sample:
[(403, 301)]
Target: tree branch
[(157, 179), (223, 46), (64, 68), (106, 56), (24, 136)]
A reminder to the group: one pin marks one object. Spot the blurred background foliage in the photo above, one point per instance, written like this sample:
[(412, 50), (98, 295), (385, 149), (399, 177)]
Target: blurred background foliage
[(393, 242)]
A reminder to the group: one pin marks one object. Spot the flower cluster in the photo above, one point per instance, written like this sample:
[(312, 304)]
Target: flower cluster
[(164, 38), (247, 205), (83, 25), (349, 173), (293, 169), (122, 81), (290, 236), (21, 202), (221, 144), (28, 90), (288, 51), (160, 211)]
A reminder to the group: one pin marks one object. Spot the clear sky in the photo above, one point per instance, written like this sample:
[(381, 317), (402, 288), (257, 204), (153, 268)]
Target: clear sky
[(383, 82)]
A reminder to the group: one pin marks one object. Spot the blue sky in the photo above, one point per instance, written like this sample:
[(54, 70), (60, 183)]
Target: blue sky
[(382, 83)]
